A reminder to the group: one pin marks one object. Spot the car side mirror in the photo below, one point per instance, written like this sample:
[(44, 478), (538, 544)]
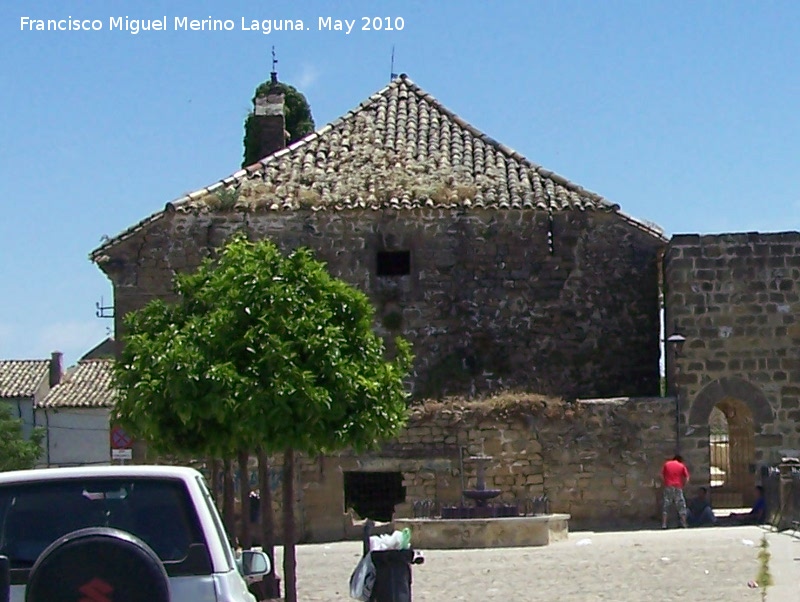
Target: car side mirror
[(255, 563)]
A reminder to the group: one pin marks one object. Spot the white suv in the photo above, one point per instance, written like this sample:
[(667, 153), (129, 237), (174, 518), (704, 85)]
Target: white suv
[(121, 533)]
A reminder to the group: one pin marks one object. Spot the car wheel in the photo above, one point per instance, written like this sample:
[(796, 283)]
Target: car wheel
[(100, 565)]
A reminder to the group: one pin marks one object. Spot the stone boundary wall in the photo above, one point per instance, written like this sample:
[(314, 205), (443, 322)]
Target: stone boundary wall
[(593, 459), (597, 460)]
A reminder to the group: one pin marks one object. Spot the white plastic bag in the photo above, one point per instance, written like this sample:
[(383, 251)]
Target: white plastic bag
[(399, 540), (363, 579)]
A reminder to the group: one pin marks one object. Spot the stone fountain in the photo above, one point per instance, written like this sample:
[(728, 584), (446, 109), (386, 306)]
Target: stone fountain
[(480, 496), (483, 524)]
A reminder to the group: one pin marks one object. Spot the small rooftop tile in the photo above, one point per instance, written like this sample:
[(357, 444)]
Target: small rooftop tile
[(22, 378), (86, 385)]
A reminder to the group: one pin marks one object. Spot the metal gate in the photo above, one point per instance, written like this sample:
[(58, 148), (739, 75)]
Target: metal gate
[(732, 455)]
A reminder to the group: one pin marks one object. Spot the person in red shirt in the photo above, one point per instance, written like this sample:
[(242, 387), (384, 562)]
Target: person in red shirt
[(674, 476)]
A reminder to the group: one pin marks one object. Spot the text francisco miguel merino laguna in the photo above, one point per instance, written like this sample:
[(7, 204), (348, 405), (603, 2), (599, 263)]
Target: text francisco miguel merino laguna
[(265, 26)]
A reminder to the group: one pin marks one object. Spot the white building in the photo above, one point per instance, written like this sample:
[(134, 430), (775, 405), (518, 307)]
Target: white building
[(75, 414)]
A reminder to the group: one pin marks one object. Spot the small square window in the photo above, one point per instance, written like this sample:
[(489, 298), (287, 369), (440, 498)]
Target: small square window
[(394, 263)]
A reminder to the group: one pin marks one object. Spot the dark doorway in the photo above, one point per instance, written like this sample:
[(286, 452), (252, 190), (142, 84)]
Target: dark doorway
[(394, 263), (373, 494)]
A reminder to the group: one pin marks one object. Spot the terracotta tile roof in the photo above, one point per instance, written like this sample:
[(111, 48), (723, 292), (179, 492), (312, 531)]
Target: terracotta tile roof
[(87, 385), (400, 149), (21, 378)]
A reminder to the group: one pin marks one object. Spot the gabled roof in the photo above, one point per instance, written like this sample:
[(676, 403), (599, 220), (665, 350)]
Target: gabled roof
[(86, 385), (22, 378), (400, 149), (105, 349)]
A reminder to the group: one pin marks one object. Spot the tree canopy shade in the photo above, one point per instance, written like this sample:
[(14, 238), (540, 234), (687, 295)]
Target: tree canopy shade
[(17, 452), (297, 113), (261, 350), (265, 352)]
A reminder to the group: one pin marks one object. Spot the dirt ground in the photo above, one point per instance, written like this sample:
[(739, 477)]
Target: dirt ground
[(712, 564)]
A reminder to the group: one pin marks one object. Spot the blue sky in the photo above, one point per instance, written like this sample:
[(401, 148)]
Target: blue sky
[(684, 113)]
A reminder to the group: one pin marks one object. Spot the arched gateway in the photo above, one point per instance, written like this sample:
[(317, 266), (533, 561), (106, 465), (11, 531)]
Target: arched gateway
[(734, 410)]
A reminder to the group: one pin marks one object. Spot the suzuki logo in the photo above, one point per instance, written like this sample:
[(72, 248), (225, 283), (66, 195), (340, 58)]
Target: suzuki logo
[(96, 590)]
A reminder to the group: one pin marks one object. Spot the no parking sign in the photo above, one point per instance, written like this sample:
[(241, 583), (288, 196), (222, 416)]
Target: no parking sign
[(121, 444), (120, 439)]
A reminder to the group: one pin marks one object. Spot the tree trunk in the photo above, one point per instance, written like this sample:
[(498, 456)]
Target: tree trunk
[(215, 482), (267, 520), (244, 493), (228, 514), (289, 557)]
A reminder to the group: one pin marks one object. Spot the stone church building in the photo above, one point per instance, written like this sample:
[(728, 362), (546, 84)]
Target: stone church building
[(501, 273), (505, 276)]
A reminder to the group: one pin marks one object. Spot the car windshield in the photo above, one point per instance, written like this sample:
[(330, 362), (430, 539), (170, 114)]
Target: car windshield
[(33, 515)]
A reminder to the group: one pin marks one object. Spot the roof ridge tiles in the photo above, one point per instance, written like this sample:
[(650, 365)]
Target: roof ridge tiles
[(26, 360), (395, 128), (488, 139)]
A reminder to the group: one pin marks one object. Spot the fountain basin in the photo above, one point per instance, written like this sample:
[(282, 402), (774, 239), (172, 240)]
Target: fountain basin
[(481, 496), (512, 532)]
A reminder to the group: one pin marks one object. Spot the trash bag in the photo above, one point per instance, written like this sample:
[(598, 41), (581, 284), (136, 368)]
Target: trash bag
[(363, 579), (392, 575)]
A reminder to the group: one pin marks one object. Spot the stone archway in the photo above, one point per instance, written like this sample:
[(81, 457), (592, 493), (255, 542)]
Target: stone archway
[(731, 388), (733, 410)]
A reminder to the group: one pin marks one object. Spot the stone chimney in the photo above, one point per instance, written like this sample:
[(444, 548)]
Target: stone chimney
[(55, 368), (270, 120)]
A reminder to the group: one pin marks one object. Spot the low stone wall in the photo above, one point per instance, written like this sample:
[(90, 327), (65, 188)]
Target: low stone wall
[(597, 460), (593, 459)]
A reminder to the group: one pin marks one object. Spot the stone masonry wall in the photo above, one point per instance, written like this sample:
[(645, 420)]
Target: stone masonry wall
[(736, 299), (493, 300), (596, 460)]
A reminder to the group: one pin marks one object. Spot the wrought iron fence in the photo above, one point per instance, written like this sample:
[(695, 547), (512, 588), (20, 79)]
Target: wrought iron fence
[(535, 506), (525, 507), (424, 509)]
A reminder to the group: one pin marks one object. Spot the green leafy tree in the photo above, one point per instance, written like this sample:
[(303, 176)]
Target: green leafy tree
[(17, 452), (297, 112), (261, 351)]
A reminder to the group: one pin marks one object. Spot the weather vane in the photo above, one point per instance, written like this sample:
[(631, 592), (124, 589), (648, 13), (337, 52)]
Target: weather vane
[(274, 73), (392, 74)]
